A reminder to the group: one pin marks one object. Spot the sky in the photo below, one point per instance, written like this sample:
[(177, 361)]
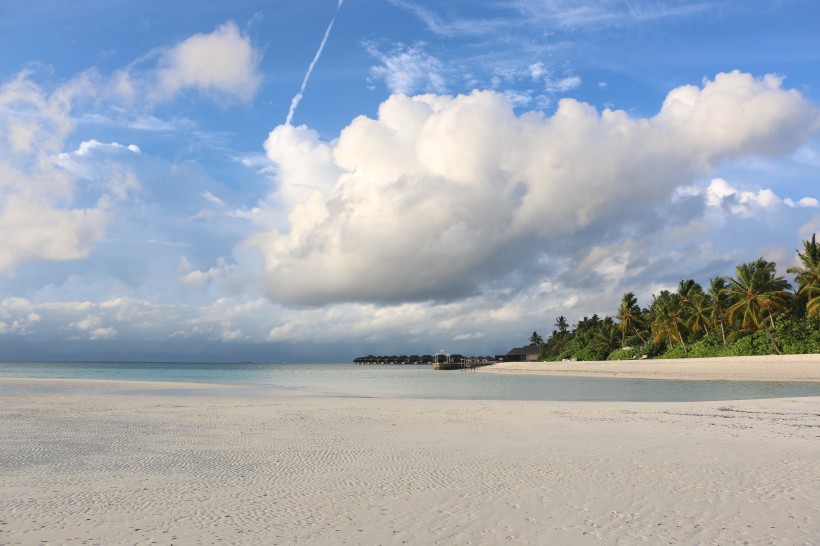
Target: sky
[(313, 181)]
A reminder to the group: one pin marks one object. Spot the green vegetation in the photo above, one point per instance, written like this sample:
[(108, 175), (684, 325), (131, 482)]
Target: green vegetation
[(754, 312)]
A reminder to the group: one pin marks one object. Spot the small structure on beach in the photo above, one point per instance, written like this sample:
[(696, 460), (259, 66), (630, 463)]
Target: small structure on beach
[(443, 360), (528, 353)]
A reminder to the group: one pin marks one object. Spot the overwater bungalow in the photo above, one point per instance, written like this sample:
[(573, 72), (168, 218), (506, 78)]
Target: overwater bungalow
[(441, 360)]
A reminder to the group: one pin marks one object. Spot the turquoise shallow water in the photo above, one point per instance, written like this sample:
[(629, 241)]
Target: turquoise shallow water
[(401, 382)]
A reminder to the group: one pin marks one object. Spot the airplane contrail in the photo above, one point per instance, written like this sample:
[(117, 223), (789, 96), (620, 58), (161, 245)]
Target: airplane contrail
[(298, 97)]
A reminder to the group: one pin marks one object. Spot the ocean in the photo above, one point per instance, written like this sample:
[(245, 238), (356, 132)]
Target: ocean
[(351, 380)]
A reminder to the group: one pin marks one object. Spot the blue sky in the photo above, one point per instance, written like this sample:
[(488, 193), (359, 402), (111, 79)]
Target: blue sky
[(456, 174)]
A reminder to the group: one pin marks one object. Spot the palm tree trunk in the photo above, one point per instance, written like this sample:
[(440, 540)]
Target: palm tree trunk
[(771, 338), (680, 337), (722, 332)]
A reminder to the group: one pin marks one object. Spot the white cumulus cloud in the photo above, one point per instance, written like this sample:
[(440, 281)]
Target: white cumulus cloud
[(17, 316), (195, 277), (223, 61), (91, 325), (439, 195), (304, 163), (810, 202), (746, 202)]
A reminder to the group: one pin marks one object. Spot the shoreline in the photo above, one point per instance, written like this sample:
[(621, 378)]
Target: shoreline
[(777, 368)]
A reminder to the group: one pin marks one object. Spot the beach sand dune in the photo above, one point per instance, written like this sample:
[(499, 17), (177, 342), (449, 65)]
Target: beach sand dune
[(104, 468)]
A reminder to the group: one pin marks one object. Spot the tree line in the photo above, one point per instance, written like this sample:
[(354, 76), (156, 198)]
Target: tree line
[(751, 313)]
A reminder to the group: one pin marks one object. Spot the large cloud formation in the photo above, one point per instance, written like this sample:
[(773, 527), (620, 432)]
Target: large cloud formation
[(440, 195)]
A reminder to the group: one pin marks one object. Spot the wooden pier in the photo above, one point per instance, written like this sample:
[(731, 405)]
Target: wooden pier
[(464, 365)]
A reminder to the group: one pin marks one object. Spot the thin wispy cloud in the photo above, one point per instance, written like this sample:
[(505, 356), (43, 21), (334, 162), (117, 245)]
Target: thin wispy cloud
[(551, 15), (298, 97), (591, 14), (452, 25), (408, 70)]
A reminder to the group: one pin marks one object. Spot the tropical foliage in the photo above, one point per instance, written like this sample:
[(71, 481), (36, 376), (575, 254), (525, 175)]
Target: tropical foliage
[(807, 276), (755, 311), (629, 316)]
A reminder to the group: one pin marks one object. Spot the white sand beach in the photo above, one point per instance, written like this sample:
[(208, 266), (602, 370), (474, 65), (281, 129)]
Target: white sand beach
[(738, 368), (82, 465)]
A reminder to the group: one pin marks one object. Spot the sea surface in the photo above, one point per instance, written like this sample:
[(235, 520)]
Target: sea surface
[(396, 382)]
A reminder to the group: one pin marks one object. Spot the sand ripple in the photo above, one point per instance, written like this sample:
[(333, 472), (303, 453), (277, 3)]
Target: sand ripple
[(80, 469)]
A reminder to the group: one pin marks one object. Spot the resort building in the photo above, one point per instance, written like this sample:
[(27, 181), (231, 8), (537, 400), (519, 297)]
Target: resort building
[(528, 353)]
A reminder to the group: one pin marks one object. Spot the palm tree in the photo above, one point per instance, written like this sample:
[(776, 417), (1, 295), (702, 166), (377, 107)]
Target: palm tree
[(562, 324), (755, 295), (687, 290), (629, 316), (698, 316), (667, 322), (719, 305), (807, 276), (605, 337), (536, 339), (812, 292)]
